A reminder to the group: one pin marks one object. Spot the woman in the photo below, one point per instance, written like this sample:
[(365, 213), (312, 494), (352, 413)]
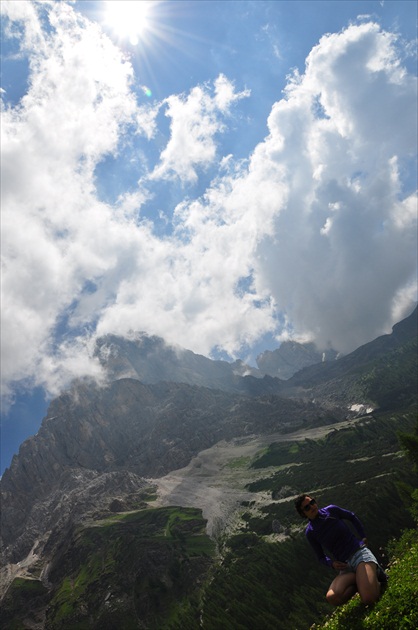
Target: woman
[(357, 566)]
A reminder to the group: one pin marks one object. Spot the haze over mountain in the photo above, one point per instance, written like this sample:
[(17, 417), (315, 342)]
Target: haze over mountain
[(291, 357), (150, 359)]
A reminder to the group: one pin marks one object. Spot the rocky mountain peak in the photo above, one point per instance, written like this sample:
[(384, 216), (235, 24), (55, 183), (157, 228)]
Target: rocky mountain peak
[(291, 357), (151, 360)]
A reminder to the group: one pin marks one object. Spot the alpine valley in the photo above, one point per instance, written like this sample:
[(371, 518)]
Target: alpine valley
[(164, 499)]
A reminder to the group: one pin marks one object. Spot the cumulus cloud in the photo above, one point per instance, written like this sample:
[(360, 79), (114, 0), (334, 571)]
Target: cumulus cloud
[(316, 228), (195, 120), (78, 101), (345, 244)]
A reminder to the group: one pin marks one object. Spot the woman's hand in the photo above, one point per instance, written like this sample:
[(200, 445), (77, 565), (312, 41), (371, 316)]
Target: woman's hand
[(339, 566)]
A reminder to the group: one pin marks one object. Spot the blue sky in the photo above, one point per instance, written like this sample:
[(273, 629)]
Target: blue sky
[(225, 175)]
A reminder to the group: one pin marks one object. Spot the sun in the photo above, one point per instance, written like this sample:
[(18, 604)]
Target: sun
[(128, 19)]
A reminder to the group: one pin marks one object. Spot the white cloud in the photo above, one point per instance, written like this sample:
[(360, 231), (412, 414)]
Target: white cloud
[(346, 241), (313, 226), (146, 120), (24, 14), (195, 121), (78, 101), (225, 93)]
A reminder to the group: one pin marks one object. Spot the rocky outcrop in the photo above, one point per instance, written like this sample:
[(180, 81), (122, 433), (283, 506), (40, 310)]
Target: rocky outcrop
[(79, 493), (151, 360), (101, 443)]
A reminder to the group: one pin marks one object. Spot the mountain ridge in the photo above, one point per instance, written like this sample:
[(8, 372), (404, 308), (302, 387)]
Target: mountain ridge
[(150, 429), (401, 333), (133, 427), (150, 359), (101, 450)]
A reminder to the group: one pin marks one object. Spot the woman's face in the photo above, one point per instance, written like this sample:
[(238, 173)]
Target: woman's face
[(309, 507)]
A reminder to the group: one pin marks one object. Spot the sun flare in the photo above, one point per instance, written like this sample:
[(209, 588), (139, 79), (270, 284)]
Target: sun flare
[(129, 19)]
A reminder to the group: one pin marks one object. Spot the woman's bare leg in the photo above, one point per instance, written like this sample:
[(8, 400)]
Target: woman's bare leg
[(367, 582), (342, 588)]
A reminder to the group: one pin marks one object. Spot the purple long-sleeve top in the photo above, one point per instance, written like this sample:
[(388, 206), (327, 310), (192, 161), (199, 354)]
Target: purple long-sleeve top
[(329, 532)]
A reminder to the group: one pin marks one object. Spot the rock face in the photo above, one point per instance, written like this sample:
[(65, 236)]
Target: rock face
[(76, 493), (151, 360), (291, 357), (102, 442)]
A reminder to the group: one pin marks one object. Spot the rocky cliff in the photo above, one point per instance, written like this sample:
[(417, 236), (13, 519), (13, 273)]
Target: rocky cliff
[(120, 434)]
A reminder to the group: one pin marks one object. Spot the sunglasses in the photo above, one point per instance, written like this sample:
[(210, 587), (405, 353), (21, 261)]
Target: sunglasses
[(309, 505)]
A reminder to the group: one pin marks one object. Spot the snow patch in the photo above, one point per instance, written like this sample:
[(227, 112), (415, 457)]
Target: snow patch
[(361, 408)]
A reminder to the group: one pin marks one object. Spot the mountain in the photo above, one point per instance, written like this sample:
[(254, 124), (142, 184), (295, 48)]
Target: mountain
[(107, 511), (382, 372), (147, 430), (151, 360), (402, 333), (291, 357)]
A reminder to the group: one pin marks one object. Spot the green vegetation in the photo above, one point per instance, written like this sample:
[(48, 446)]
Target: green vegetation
[(141, 568), (265, 585), (387, 380), (398, 603), (397, 606), (258, 586), (391, 380), (25, 599), (239, 462), (156, 567), (379, 432), (357, 467)]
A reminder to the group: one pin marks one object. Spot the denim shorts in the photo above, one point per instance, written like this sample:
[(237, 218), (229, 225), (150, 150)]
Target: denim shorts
[(361, 555)]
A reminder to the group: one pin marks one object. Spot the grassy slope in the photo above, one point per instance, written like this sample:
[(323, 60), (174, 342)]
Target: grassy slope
[(279, 585), (138, 568), (133, 570), (397, 607)]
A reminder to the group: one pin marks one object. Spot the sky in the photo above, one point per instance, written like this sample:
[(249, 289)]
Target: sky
[(224, 174)]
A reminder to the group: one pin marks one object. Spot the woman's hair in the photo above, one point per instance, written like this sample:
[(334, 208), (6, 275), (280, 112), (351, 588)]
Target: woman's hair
[(298, 502)]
